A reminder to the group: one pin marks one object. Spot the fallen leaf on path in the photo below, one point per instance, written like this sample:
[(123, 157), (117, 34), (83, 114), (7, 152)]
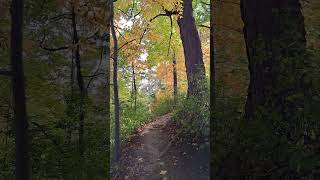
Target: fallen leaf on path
[(163, 172)]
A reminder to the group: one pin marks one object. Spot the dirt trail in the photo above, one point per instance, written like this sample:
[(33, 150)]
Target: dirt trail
[(157, 152)]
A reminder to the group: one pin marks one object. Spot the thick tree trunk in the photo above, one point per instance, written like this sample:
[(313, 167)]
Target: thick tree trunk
[(80, 84), (192, 51), (175, 76), (108, 84), (212, 63), (115, 91), (276, 46), (212, 87), (22, 171)]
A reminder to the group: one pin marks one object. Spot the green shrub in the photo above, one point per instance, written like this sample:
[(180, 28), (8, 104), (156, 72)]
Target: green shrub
[(130, 120), (193, 115), (162, 107)]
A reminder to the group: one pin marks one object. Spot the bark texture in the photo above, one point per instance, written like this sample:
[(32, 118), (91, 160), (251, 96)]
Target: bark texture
[(175, 76), (80, 82), (22, 171), (108, 93), (212, 88), (115, 90), (134, 86), (192, 51), (276, 46)]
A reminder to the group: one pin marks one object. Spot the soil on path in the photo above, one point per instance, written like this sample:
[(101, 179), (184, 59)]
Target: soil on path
[(159, 152)]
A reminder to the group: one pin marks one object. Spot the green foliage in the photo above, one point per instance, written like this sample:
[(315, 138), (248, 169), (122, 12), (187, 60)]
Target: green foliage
[(269, 145), (193, 115), (131, 119), (164, 106)]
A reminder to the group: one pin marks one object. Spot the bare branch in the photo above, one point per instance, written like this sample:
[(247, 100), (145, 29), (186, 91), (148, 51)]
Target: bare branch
[(54, 49), (159, 15)]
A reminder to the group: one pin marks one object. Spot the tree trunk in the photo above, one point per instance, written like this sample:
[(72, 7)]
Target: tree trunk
[(22, 171), (108, 84), (80, 82), (115, 91), (71, 111), (276, 46), (192, 51), (212, 87), (175, 77), (134, 87), (108, 94), (212, 63)]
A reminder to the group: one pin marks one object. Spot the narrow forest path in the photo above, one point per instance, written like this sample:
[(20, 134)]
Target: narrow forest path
[(157, 152)]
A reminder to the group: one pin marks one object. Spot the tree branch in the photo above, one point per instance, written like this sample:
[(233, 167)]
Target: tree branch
[(222, 25), (5, 72), (54, 49)]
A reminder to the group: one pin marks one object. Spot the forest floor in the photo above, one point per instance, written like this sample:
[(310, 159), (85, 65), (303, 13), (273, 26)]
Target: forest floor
[(158, 151)]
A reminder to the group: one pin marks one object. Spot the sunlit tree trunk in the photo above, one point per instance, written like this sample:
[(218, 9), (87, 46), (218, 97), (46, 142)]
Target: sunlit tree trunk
[(22, 171), (192, 51)]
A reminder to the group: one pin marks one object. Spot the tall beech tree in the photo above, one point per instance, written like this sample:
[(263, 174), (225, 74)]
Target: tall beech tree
[(276, 46), (18, 89)]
